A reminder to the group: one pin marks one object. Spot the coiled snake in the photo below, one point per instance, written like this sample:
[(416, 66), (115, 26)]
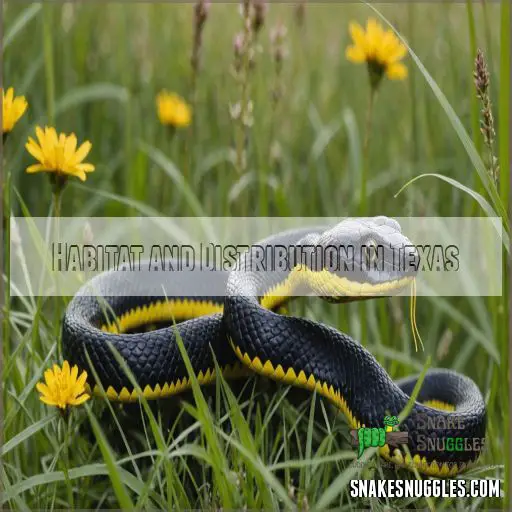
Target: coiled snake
[(246, 333)]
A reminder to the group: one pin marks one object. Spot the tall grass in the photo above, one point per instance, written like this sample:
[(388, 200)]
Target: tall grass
[(95, 71)]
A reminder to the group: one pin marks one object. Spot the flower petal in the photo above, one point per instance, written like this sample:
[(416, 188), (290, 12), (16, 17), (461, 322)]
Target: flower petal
[(85, 167), (80, 400), (74, 374), (19, 106), (355, 54), (34, 149), (36, 168), (397, 52), (83, 151), (70, 147), (373, 29), (396, 71), (43, 388), (48, 401), (9, 96), (66, 371), (7, 122), (81, 380), (41, 137), (49, 377), (76, 173), (51, 136), (357, 33)]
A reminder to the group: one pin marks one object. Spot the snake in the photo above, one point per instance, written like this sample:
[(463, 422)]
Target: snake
[(248, 330)]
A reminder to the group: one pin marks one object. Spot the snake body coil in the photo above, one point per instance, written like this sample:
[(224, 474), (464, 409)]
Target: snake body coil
[(248, 335)]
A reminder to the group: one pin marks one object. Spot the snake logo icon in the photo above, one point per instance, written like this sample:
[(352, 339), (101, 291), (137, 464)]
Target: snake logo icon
[(366, 437)]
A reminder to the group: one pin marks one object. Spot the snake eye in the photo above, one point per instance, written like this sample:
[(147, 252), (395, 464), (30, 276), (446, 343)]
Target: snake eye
[(370, 253)]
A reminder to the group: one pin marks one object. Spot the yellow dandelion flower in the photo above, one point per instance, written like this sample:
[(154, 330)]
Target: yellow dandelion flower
[(173, 110), (379, 48), (58, 154), (63, 386), (12, 109)]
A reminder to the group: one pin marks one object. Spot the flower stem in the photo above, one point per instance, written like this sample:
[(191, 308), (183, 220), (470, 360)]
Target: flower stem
[(364, 177), (241, 157), (6, 316), (366, 150), (200, 15), (58, 186), (48, 62), (164, 179), (57, 202), (67, 429)]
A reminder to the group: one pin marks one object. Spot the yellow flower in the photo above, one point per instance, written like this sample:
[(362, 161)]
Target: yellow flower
[(379, 48), (58, 153), (63, 387), (172, 109), (12, 109)]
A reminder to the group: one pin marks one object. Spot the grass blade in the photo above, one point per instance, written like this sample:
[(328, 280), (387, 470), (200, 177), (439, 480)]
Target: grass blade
[(91, 93), (88, 470), (461, 132), (504, 100), (159, 158), (20, 23), (220, 465), (113, 471), (25, 434), (475, 195), (172, 479)]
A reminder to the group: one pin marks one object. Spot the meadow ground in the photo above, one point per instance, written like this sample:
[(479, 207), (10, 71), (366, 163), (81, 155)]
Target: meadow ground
[(96, 70)]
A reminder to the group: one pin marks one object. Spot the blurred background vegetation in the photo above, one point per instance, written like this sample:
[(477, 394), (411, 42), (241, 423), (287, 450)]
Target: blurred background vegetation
[(95, 69)]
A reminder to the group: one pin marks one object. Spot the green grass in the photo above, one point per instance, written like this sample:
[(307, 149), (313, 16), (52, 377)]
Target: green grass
[(95, 71)]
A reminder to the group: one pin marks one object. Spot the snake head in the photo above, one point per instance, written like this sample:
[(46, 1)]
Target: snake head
[(361, 258), (391, 421)]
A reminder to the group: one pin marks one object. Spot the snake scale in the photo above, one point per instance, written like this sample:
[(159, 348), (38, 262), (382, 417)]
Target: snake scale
[(246, 331)]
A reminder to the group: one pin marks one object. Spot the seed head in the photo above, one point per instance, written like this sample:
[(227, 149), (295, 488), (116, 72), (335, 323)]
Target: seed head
[(260, 8), (277, 39), (481, 75), (482, 85), (201, 10)]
